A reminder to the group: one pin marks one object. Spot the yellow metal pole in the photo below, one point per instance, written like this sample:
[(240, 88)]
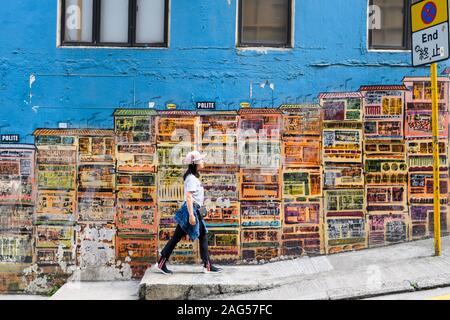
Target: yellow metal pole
[(436, 161)]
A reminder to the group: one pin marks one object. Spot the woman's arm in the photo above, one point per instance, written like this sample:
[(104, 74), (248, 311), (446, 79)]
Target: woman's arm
[(190, 205)]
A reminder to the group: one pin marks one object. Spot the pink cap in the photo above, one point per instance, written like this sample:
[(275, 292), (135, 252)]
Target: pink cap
[(193, 157)]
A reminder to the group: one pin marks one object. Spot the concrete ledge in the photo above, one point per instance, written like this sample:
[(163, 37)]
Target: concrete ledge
[(189, 282), (353, 275)]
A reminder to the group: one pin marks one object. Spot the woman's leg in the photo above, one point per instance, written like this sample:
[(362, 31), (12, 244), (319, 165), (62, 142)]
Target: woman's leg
[(204, 252), (203, 239), (168, 248)]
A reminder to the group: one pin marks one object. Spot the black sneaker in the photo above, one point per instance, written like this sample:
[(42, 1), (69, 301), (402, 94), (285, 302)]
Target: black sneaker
[(162, 267), (209, 268)]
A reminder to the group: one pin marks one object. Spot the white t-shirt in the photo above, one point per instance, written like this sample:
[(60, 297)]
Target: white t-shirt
[(193, 184)]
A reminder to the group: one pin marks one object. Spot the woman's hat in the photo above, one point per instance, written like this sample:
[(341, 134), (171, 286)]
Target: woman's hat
[(194, 156)]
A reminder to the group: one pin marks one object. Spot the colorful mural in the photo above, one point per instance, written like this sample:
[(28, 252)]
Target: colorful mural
[(420, 154), (344, 201), (136, 187), (385, 167), (260, 183), (351, 172), (302, 215)]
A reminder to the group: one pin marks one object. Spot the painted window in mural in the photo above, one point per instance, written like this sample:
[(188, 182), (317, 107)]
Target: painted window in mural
[(422, 91)]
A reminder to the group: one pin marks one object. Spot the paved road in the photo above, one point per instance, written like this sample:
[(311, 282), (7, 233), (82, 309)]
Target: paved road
[(436, 294)]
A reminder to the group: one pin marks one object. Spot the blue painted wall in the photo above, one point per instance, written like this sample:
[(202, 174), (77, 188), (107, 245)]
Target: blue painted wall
[(84, 86)]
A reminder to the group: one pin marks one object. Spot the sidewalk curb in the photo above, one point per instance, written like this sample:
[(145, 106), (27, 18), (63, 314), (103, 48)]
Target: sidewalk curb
[(221, 291), (383, 271), (196, 292)]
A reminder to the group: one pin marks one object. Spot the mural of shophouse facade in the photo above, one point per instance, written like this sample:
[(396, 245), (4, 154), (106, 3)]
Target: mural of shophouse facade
[(302, 185), (260, 183), (177, 134), (385, 167), (56, 203), (351, 172), (218, 132), (17, 200), (342, 158), (137, 211), (420, 154)]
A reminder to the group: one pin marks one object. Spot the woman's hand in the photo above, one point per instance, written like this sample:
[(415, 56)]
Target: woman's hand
[(190, 206), (192, 220)]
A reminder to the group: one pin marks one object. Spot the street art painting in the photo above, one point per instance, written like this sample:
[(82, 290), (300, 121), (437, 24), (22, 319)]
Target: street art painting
[(56, 199), (387, 229), (136, 218), (383, 111), (302, 151), (223, 212), (301, 233), (342, 159), (419, 150), (135, 132), (96, 206), (351, 172), (224, 244), (418, 107), (17, 200), (345, 234), (342, 145), (302, 209), (422, 217), (301, 120), (259, 138), (259, 214), (177, 125), (260, 244), (138, 252), (218, 137), (394, 149), (260, 184), (343, 176), (301, 184), (50, 240), (420, 154)]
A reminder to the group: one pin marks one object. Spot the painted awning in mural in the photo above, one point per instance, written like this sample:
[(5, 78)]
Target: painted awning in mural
[(245, 111), (339, 95), (73, 132), (382, 87), (134, 112)]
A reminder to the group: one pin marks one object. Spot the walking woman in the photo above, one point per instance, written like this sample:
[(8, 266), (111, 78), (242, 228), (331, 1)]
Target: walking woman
[(190, 216)]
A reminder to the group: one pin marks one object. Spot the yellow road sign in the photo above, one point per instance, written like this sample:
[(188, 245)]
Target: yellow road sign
[(428, 13)]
